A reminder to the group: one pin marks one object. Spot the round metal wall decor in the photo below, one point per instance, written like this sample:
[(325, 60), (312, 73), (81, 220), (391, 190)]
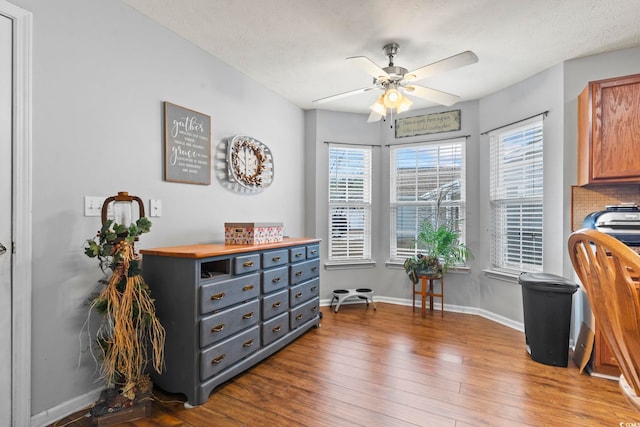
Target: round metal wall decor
[(249, 164)]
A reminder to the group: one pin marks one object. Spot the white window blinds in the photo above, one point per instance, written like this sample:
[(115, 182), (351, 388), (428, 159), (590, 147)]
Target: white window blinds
[(349, 203), (427, 184), (516, 196)]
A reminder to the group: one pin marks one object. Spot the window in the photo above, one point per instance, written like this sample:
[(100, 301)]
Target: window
[(427, 183), (516, 197), (349, 203)]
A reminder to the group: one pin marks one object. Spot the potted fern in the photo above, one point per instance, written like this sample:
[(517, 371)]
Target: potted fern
[(438, 241)]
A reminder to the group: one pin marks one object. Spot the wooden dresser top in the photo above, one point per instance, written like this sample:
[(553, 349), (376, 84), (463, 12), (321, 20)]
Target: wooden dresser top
[(218, 249)]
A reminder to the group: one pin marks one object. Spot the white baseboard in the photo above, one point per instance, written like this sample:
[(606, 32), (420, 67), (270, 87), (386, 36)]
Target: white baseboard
[(519, 326), (51, 415)]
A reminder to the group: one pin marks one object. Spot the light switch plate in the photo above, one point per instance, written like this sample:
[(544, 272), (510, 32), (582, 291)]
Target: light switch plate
[(93, 205)]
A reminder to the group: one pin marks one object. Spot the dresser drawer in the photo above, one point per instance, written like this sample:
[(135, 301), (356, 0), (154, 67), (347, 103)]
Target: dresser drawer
[(298, 254), (274, 279), (218, 295), (304, 312), (217, 357), (246, 264), (275, 328), (303, 292), (274, 304), (303, 271), (275, 258), (225, 323), (313, 251)]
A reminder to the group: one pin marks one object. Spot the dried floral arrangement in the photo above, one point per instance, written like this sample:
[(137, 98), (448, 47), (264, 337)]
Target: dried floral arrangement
[(130, 332)]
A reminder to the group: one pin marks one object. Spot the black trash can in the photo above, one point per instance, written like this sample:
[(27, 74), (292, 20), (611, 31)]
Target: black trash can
[(546, 300)]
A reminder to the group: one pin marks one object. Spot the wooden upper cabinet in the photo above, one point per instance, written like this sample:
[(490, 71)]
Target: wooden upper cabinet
[(609, 131)]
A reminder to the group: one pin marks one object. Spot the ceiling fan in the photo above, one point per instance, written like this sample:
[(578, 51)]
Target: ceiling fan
[(396, 81)]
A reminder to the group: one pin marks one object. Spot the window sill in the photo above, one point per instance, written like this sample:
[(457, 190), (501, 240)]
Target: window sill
[(505, 276), (348, 265), (463, 269)]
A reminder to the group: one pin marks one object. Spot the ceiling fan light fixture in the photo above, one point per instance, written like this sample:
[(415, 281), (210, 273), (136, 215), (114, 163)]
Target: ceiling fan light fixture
[(374, 117), (405, 104), (392, 98), (379, 107)]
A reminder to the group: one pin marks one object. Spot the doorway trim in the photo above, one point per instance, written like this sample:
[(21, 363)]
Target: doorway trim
[(21, 214)]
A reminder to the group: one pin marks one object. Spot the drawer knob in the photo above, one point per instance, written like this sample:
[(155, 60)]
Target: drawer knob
[(276, 304), (248, 316), (275, 259), (314, 308), (248, 264), (218, 359), (299, 316), (276, 329), (217, 328), (217, 297), (276, 280), (313, 288), (314, 268), (298, 273), (247, 344), (247, 288), (313, 252), (299, 295), (299, 254)]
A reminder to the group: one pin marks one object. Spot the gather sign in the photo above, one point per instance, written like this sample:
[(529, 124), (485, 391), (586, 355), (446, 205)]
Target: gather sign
[(187, 145)]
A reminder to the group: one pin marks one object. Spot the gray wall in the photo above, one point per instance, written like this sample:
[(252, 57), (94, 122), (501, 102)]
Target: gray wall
[(101, 73), (539, 93)]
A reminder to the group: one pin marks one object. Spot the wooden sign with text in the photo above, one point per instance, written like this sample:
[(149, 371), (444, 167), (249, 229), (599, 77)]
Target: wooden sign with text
[(187, 136), (429, 123)]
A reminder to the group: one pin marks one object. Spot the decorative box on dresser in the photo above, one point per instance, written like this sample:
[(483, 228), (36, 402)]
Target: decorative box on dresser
[(227, 307)]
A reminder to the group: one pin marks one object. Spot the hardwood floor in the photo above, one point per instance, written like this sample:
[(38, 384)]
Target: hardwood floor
[(391, 367)]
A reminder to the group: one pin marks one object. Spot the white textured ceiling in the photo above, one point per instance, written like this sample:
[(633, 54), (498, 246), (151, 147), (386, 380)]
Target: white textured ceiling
[(297, 48)]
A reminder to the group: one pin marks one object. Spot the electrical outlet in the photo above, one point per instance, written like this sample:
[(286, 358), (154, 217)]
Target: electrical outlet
[(155, 206)]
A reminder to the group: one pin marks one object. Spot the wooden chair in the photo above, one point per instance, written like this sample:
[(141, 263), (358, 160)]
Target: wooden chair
[(608, 270)]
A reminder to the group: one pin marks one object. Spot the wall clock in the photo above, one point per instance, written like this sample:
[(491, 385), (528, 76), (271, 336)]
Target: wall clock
[(249, 164)]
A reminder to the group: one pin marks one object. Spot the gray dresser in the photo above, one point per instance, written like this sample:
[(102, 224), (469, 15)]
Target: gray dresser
[(227, 307)]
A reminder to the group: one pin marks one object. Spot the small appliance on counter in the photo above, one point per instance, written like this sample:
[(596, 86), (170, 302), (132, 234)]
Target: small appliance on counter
[(620, 221)]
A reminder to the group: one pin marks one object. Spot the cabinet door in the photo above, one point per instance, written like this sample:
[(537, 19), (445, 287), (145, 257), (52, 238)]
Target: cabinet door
[(615, 130), (605, 361)]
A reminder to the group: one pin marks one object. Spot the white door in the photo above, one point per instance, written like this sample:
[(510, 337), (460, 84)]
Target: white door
[(6, 65)]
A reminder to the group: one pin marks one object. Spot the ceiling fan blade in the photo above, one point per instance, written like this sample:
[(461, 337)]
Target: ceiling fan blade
[(450, 63), (343, 95), (433, 95), (369, 67)]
